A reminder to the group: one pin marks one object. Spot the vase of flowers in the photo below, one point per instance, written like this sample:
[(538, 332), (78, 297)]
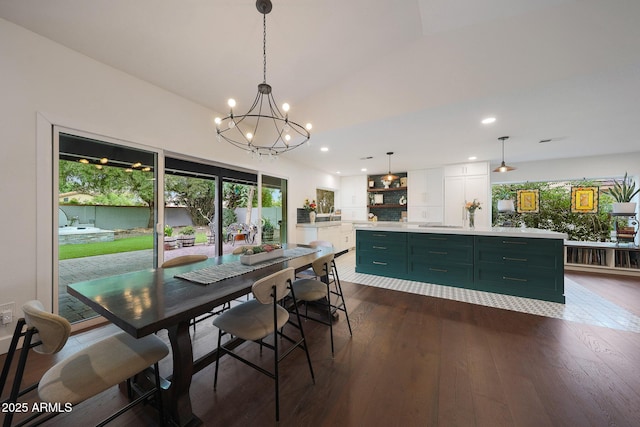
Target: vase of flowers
[(310, 206), (471, 209)]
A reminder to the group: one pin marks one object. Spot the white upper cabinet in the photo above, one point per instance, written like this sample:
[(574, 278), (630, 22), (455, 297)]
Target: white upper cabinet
[(464, 169), (424, 187), (425, 195), (353, 192), (466, 187)]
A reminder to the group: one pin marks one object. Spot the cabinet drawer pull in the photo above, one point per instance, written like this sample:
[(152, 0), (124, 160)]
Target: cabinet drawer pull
[(378, 235), (379, 247), (379, 263), (514, 278), (506, 258), (507, 242), (438, 252), (438, 269), (437, 238)]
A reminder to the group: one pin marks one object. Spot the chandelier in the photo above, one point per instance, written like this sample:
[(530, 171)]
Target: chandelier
[(278, 134)]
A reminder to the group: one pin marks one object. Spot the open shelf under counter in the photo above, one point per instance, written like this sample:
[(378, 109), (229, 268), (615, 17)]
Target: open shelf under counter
[(602, 257)]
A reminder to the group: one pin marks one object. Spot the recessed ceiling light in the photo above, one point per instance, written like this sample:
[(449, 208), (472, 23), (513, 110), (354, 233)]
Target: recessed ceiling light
[(338, 172), (324, 149), (488, 120), (363, 170), (473, 158)]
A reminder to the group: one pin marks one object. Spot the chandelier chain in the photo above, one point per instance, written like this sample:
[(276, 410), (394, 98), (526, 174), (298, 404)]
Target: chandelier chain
[(264, 48)]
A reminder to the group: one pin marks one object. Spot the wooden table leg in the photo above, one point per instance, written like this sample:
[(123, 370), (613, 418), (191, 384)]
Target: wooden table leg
[(178, 401)]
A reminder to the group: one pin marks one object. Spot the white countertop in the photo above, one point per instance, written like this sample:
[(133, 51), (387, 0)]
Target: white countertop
[(478, 231), (321, 224)]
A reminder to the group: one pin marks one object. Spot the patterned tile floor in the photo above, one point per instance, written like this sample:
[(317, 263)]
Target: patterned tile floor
[(581, 305)]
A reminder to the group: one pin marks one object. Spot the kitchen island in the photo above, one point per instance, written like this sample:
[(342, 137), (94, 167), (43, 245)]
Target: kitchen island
[(524, 262)]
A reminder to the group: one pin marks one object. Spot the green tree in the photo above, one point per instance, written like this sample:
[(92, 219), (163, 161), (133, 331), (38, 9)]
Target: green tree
[(110, 185), (197, 195)]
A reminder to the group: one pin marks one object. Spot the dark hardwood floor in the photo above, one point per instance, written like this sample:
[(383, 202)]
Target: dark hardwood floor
[(422, 361)]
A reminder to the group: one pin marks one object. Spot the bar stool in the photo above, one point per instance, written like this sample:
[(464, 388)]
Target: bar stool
[(258, 319), (86, 373), (322, 292)]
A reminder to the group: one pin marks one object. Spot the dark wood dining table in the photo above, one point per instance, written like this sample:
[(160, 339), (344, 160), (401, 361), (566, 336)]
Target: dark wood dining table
[(147, 301)]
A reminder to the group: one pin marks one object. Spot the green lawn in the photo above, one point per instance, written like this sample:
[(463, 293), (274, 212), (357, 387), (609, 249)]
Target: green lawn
[(128, 244)]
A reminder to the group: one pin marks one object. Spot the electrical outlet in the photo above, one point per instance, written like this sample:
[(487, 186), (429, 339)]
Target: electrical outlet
[(7, 317), (6, 313)]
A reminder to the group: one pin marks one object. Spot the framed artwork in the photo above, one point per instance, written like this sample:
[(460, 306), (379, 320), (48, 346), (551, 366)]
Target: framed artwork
[(584, 199), (528, 201)]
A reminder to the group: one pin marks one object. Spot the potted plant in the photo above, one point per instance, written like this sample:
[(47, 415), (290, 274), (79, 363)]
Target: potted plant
[(170, 242), (623, 192), (187, 236), (267, 230)]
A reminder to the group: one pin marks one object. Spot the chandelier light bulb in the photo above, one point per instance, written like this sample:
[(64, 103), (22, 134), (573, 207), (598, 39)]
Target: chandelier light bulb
[(218, 120), (287, 137), (231, 124), (249, 136), (231, 102), (308, 126), (286, 128), (285, 107)]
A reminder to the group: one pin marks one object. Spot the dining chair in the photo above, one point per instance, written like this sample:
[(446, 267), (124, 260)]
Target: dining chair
[(258, 319), (325, 290), (82, 375), (183, 260), (309, 273)]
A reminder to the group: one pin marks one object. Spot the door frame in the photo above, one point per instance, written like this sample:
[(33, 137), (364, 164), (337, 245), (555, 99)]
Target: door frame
[(47, 157)]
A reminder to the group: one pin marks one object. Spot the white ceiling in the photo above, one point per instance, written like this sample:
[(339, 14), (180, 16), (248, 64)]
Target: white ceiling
[(410, 76)]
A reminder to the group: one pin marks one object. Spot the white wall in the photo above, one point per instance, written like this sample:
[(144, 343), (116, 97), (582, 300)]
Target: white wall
[(40, 77)]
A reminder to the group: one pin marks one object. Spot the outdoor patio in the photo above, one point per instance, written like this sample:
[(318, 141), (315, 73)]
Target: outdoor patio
[(87, 268)]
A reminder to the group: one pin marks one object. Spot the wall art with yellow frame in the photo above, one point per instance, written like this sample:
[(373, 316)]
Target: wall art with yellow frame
[(528, 201), (584, 199)]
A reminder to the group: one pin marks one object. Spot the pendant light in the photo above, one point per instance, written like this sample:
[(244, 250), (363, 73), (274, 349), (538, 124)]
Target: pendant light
[(389, 177), (503, 166)]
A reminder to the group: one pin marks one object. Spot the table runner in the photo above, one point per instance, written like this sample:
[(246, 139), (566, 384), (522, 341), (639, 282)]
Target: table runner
[(215, 273)]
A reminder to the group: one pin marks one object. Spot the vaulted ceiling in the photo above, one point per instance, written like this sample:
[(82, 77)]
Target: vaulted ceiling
[(411, 76)]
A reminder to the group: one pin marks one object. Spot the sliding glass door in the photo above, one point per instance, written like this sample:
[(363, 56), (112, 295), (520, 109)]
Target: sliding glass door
[(106, 213), (215, 204), (274, 209)]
